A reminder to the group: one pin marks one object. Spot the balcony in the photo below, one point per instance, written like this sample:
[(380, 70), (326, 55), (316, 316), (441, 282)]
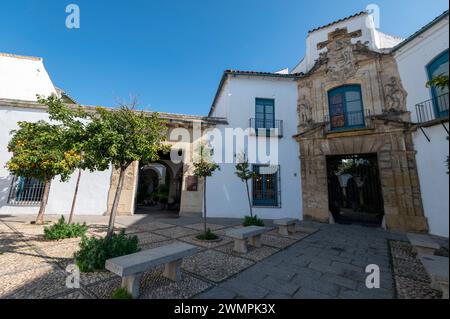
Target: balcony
[(347, 121), (268, 128), (432, 110)]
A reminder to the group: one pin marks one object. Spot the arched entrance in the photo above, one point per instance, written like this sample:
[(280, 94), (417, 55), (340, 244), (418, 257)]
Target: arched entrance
[(159, 188)]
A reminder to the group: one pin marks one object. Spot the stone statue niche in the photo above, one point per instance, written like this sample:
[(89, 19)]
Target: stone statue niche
[(395, 96), (304, 111)]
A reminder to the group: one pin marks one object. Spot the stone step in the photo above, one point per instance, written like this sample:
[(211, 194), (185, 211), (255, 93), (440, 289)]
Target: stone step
[(437, 269), (424, 244)]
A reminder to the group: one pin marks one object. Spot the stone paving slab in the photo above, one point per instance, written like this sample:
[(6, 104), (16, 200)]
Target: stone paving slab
[(151, 245), (200, 226), (206, 244), (176, 232), (149, 238), (294, 236), (276, 241), (151, 226), (254, 253), (214, 265)]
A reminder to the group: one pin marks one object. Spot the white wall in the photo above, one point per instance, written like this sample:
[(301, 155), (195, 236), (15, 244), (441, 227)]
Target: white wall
[(93, 190), (22, 78), (226, 195), (412, 60), (365, 23)]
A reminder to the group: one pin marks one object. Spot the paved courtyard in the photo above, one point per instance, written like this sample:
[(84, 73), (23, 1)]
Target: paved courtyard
[(319, 261)]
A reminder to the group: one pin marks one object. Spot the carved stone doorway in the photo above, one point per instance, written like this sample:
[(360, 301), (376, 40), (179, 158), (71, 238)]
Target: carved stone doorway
[(354, 189)]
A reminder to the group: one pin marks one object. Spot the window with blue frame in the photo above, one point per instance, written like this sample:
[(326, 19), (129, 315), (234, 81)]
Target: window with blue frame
[(264, 114), (346, 107), (26, 190), (265, 186), (437, 67)]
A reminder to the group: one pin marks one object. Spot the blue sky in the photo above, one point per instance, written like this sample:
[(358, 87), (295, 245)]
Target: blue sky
[(171, 54)]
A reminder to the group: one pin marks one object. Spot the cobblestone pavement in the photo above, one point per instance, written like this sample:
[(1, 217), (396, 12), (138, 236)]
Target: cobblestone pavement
[(319, 261)]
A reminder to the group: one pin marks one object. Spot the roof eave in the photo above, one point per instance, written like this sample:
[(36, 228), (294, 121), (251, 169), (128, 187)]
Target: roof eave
[(420, 31)]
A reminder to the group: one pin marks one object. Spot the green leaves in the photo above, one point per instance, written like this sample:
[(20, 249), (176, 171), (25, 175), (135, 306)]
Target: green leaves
[(123, 136), (243, 170), (205, 167), (39, 151), (253, 221), (62, 230), (440, 81), (94, 251)]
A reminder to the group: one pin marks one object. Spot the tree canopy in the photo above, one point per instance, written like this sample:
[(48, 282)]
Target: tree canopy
[(39, 151)]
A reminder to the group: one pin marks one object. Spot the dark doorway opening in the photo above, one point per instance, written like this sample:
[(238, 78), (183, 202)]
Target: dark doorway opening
[(354, 189), (158, 189)]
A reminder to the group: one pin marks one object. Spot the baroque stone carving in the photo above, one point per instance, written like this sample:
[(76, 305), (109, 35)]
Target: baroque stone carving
[(341, 62), (304, 110), (395, 95)]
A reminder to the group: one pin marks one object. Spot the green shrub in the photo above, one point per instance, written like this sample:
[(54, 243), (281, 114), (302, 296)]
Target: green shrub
[(62, 230), (94, 251), (209, 235), (253, 221), (121, 293)]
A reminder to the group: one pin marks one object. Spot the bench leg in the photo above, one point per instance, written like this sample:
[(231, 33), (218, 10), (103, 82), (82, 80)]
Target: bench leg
[(172, 270), (240, 246), (131, 284), (291, 228), (283, 230), (255, 241)]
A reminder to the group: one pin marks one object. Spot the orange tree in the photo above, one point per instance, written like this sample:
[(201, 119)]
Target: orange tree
[(38, 151), (75, 134), (120, 137)]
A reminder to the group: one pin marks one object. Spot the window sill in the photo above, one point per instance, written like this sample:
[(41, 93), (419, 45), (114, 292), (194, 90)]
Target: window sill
[(272, 207)]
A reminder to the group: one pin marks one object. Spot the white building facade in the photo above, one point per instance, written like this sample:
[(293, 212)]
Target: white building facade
[(252, 101), (419, 58), (21, 80), (293, 113)]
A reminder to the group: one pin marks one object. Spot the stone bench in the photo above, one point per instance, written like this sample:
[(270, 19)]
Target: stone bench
[(437, 269), (423, 244), (285, 225), (131, 267), (240, 236)]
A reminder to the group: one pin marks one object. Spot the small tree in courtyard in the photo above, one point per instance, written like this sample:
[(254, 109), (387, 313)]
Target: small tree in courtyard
[(39, 152), (204, 168), (119, 138), (75, 135), (244, 172)]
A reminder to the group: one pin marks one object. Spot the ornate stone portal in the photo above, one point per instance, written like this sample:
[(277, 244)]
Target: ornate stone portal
[(387, 133)]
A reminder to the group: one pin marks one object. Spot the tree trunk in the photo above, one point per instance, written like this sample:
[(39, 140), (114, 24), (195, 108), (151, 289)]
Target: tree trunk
[(72, 209), (112, 217), (40, 216), (249, 201), (204, 206)]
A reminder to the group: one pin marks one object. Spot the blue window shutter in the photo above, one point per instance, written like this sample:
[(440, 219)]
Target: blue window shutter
[(439, 66)]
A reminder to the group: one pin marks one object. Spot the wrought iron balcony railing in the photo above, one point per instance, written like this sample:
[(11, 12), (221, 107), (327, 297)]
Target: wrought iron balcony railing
[(432, 109), (347, 120), (269, 128)]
